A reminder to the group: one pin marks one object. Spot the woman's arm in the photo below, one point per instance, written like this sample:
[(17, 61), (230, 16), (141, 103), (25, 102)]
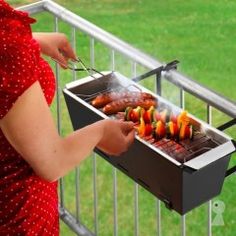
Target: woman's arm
[(30, 129)]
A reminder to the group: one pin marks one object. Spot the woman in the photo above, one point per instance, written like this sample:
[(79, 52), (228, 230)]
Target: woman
[(32, 154)]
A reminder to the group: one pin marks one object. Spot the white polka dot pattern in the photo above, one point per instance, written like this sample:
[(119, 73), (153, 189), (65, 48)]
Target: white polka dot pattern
[(28, 204)]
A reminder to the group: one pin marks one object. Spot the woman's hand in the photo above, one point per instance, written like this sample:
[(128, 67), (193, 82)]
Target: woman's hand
[(117, 137), (56, 46)]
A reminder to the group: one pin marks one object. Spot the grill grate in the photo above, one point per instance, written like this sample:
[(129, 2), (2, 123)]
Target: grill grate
[(184, 150), (181, 151)]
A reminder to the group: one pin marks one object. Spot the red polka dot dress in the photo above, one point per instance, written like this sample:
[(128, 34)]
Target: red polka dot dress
[(28, 204)]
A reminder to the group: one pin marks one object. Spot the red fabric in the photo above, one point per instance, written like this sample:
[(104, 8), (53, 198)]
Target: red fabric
[(28, 204)]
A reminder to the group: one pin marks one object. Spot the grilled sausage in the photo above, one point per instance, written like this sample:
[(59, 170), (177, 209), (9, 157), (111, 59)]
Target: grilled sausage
[(120, 105), (103, 99)]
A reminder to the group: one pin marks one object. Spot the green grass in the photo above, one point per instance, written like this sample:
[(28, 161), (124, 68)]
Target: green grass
[(199, 33)]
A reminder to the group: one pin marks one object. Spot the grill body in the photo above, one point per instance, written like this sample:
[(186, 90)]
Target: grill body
[(180, 186)]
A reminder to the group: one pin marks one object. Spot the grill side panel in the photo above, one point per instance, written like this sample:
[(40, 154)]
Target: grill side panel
[(204, 184), (80, 115), (152, 171)]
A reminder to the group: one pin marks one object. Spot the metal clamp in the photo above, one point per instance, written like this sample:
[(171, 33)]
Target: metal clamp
[(227, 125), (158, 70), (171, 65)]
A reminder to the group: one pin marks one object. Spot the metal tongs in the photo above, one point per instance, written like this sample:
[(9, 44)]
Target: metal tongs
[(72, 66)]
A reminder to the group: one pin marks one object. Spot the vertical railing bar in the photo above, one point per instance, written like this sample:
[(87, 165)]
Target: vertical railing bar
[(92, 64), (92, 54), (183, 217), (182, 99), (158, 90), (136, 209), (158, 203), (95, 193), (183, 225), (136, 188), (115, 229), (158, 87), (209, 218), (112, 60), (58, 87), (58, 105), (73, 43), (77, 196), (209, 114), (209, 208)]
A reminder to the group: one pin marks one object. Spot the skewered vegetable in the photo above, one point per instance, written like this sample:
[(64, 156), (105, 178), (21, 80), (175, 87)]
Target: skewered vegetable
[(159, 130), (149, 115), (128, 112), (186, 132), (183, 119), (173, 130), (134, 114), (144, 129), (141, 128)]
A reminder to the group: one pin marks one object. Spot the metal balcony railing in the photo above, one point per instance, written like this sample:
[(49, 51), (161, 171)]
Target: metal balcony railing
[(180, 82)]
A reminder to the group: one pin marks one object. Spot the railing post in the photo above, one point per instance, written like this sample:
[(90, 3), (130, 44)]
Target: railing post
[(95, 194), (136, 187), (158, 203), (209, 225), (77, 172), (58, 106), (115, 221), (158, 84), (182, 99), (183, 218), (183, 225)]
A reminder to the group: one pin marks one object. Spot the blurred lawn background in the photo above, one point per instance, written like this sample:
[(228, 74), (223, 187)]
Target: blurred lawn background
[(201, 35)]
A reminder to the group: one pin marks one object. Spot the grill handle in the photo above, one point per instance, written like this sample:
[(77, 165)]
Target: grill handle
[(228, 124)]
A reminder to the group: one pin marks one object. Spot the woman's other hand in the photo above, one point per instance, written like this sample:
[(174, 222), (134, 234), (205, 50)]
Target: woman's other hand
[(56, 46), (117, 136)]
